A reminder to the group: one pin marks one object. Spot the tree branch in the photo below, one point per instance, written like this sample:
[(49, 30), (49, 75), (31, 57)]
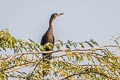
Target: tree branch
[(64, 50), (86, 72), (18, 67)]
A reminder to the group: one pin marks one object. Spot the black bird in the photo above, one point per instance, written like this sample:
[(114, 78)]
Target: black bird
[(48, 37)]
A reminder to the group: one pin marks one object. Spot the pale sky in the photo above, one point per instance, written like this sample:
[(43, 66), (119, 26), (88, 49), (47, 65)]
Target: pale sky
[(82, 19)]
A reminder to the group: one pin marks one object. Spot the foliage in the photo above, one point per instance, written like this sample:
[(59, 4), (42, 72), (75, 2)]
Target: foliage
[(71, 60)]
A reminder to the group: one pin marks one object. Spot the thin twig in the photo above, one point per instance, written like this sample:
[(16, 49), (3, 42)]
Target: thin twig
[(86, 72)]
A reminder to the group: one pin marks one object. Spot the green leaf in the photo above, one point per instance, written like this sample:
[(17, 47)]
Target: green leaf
[(36, 49), (67, 46), (89, 44), (94, 42), (31, 40), (42, 48), (69, 42), (60, 42), (3, 65), (81, 44), (57, 46), (116, 42), (88, 56), (75, 45)]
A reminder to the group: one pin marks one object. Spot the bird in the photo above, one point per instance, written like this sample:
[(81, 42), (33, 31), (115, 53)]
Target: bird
[(48, 37)]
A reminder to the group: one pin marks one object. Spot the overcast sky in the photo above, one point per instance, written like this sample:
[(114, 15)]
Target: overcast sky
[(82, 19)]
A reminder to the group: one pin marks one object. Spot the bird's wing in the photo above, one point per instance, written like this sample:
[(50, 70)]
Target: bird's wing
[(46, 39)]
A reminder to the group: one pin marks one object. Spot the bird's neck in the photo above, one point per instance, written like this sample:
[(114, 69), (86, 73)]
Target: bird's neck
[(50, 29)]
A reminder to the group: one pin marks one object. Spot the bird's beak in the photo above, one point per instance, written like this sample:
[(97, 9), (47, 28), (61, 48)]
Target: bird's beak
[(60, 14)]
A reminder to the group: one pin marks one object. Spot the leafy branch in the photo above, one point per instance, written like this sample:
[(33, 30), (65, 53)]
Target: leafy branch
[(70, 60)]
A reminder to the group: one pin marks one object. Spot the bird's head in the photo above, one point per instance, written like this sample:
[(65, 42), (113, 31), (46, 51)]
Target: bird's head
[(54, 15)]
